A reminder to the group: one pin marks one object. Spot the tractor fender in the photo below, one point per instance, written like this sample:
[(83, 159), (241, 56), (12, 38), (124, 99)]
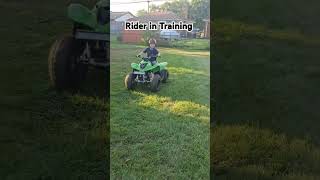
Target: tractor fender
[(82, 15)]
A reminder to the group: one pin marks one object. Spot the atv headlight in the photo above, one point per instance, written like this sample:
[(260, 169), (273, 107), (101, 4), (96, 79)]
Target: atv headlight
[(143, 65)]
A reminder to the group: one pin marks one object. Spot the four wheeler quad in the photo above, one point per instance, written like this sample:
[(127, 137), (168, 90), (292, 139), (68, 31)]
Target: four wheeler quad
[(148, 74), (88, 44)]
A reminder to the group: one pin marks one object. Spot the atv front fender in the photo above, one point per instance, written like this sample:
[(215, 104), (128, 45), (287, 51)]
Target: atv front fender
[(163, 65), (135, 66)]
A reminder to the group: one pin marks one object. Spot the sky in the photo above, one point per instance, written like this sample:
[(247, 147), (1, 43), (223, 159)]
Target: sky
[(132, 7)]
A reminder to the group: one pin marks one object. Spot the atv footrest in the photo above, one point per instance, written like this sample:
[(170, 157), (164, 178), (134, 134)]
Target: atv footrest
[(139, 81), (90, 35), (140, 73)]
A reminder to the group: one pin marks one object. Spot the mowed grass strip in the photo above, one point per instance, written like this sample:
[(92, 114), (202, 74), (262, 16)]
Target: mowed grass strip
[(165, 134)]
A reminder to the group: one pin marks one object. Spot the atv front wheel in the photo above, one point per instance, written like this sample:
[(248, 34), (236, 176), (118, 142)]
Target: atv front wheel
[(129, 81), (64, 70), (165, 75), (155, 83)]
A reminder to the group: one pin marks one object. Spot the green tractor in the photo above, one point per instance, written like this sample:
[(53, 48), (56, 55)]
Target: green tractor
[(87, 45), (147, 73)]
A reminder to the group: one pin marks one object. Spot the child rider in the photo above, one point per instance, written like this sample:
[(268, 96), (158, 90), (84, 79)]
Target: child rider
[(151, 51)]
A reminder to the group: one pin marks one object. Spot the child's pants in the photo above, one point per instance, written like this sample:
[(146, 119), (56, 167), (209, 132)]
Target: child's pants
[(153, 60)]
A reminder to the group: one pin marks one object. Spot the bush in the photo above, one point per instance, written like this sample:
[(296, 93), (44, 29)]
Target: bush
[(163, 43), (119, 38)]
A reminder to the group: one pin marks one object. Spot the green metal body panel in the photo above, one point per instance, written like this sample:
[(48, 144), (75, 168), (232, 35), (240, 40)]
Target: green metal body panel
[(102, 3), (149, 67), (82, 15)]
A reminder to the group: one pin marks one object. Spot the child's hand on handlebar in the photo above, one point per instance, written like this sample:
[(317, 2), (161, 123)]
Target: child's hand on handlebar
[(138, 55)]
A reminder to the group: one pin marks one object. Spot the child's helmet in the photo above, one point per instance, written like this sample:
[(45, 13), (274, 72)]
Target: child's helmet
[(152, 41)]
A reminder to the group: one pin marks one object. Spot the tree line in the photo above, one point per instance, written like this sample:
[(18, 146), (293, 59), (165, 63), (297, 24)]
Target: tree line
[(195, 10)]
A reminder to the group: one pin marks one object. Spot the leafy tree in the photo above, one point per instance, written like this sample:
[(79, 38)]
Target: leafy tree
[(195, 10), (200, 9), (141, 12), (179, 7), (147, 35), (154, 8)]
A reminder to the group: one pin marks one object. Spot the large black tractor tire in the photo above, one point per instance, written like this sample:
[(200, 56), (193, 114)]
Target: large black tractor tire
[(165, 75), (64, 71), (155, 83), (129, 81)]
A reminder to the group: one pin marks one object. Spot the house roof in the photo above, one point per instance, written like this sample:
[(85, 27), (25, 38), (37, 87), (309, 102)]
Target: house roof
[(158, 16), (115, 15)]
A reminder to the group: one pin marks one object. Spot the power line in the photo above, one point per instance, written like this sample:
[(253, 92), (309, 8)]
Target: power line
[(134, 2), (141, 1)]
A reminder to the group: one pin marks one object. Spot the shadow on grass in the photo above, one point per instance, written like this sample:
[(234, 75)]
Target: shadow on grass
[(261, 153), (58, 135), (267, 126), (272, 85), (96, 84), (45, 134)]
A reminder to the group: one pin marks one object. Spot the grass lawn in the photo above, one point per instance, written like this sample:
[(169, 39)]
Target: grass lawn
[(45, 134), (164, 134), (267, 99), (195, 44), (267, 72)]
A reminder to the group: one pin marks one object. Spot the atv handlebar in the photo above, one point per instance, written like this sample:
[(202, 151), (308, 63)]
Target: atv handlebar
[(139, 56)]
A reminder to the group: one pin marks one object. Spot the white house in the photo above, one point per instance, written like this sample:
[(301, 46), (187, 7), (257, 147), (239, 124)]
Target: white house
[(117, 20)]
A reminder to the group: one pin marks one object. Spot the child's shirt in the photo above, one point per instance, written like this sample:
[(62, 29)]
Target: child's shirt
[(151, 52)]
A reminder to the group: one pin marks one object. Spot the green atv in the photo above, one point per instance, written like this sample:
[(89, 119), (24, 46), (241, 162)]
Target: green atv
[(146, 73), (87, 45)]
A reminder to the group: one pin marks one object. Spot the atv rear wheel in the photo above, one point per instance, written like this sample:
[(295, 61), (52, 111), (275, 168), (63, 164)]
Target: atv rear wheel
[(165, 75), (155, 83), (129, 81), (64, 70)]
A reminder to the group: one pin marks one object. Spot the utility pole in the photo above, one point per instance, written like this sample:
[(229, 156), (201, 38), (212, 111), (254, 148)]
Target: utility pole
[(148, 5)]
